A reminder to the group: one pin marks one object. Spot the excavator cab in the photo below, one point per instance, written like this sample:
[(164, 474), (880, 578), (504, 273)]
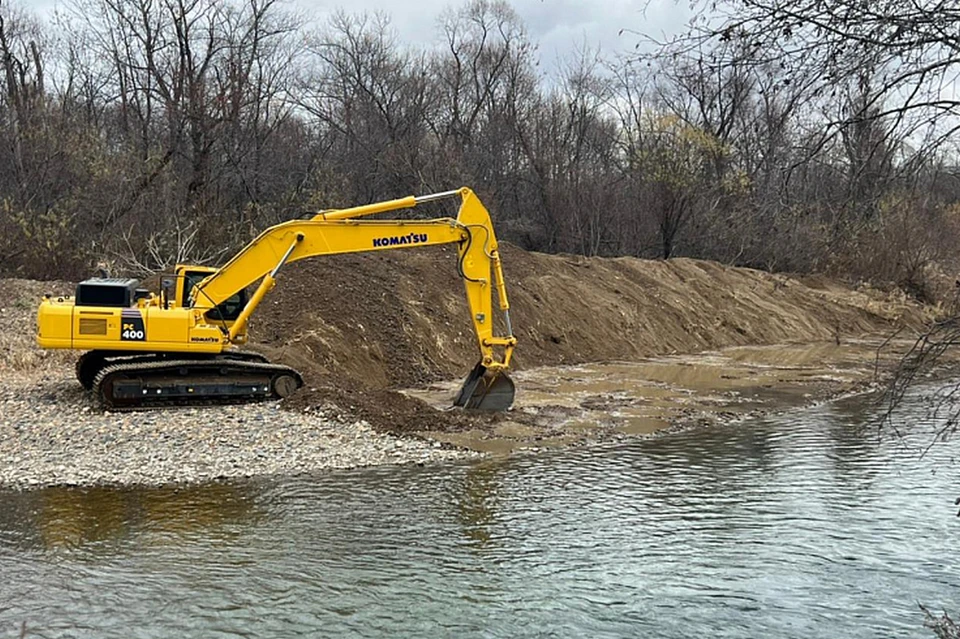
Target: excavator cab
[(177, 289)]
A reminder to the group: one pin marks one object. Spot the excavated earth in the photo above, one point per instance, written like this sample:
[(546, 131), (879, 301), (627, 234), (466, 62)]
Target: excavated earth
[(608, 348), (363, 327)]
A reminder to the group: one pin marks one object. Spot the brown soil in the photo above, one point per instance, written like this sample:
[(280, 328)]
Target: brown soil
[(360, 327)]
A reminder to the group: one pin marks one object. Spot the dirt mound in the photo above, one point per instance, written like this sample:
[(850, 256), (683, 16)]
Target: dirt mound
[(387, 410), (360, 325)]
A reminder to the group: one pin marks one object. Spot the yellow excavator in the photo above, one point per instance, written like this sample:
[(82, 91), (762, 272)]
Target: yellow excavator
[(178, 346)]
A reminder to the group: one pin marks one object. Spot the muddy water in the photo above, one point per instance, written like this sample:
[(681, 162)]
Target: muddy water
[(798, 525), (560, 405)]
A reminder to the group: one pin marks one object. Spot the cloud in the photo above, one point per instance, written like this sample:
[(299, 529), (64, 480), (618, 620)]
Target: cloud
[(560, 27)]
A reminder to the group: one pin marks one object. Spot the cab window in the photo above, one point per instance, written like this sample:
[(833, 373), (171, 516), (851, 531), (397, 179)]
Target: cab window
[(228, 311)]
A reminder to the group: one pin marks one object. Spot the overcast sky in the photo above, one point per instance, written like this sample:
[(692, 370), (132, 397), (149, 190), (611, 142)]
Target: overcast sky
[(559, 26)]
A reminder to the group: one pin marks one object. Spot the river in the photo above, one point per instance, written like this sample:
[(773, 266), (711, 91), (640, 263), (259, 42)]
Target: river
[(797, 525)]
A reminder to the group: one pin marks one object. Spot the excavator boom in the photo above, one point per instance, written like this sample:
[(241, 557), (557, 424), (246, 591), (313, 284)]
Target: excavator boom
[(179, 345)]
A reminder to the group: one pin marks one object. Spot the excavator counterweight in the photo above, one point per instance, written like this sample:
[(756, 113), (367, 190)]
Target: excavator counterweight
[(178, 345)]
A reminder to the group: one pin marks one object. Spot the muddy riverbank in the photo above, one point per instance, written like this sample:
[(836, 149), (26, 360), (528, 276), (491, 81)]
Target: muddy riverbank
[(382, 342), (571, 405)]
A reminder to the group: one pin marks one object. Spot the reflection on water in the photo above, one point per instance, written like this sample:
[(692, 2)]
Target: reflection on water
[(796, 526), (478, 502), (68, 518)]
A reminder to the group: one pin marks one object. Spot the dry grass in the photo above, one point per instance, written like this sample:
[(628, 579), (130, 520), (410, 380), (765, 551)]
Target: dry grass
[(18, 327)]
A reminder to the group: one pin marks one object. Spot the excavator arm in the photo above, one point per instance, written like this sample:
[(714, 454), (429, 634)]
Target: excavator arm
[(340, 231)]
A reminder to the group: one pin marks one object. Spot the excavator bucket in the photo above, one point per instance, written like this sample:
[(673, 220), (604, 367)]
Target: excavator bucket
[(486, 390)]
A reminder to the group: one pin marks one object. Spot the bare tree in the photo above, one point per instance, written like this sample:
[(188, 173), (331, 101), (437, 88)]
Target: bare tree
[(149, 128), (913, 48), (369, 99), (485, 95), (23, 75)]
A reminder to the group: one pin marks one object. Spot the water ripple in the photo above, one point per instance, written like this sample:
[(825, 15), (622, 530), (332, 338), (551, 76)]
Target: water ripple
[(793, 526)]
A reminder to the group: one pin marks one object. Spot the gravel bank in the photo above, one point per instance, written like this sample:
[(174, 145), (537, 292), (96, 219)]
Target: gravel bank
[(52, 433)]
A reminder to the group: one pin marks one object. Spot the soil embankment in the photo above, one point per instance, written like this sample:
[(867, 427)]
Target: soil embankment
[(400, 320), (363, 326)]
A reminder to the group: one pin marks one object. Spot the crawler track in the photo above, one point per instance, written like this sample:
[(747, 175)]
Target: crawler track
[(154, 381)]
